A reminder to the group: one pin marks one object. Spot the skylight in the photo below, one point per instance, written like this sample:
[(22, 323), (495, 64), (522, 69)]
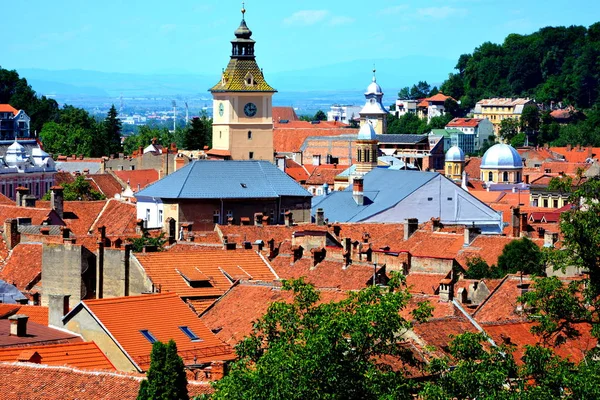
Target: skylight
[(188, 332), (146, 333)]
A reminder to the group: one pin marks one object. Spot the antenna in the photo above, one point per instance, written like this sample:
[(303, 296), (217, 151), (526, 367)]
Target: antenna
[(174, 115), (121, 106)]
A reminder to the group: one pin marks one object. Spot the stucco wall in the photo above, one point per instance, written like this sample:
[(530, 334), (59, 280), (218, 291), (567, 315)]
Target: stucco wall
[(121, 278), (61, 271)]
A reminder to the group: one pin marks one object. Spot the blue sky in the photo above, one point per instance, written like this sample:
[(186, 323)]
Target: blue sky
[(192, 36)]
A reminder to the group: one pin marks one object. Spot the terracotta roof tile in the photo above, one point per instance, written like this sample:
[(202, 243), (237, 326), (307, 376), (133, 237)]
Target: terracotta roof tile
[(470, 122), (6, 310), (81, 355), (472, 167), (37, 215), (43, 382), (325, 173), (37, 314), (62, 178), (577, 155), (488, 247), (288, 138), (124, 317), (138, 178), (501, 304), (80, 215), (118, 217), (37, 334), (233, 314), (8, 108), (221, 267), (23, 268), (285, 113), (106, 183), (6, 200)]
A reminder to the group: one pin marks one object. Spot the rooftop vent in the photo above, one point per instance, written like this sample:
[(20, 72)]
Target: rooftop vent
[(243, 185)]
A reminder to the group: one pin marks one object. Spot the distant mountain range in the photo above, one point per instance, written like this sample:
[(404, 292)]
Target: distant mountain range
[(392, 74)]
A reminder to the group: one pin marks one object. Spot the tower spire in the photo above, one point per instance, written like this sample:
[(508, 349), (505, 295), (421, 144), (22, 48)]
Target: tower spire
[(374, 70), (243, 10)]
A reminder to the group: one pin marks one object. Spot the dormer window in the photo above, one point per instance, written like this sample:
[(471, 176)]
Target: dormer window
[(188, 332), (249, 79)]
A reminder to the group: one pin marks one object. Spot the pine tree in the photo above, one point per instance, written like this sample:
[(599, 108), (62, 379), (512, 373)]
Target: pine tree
[(112, 132), (166, 378)]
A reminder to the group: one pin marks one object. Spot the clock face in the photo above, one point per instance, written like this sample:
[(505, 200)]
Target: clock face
[(250, 109), (221, 109)]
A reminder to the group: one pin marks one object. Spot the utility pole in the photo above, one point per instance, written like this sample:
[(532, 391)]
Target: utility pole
[(187, 114)]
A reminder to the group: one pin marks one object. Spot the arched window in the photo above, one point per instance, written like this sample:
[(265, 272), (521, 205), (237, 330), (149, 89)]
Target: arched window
[(505, 176), (359, 155), (490, 176)]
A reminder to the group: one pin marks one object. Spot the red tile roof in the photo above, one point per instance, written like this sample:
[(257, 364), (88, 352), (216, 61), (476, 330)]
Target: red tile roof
[(81, 355), (8, 108), (43, 382), (106, 184), (288, 138), (80, 215), (325, 173), (23, 268), (488, 247), (6, 200), (285, 113), (37, 334), (501, 304), (327, 274), (569, 168), (217, 268), (139, 178), (37, 314), (118, 217), (473, 167), (234, 313), (37, 215), (124, 317), (6, 310), (433, 244), (469, 122), (219, 153), (577, 155), (519, 334)]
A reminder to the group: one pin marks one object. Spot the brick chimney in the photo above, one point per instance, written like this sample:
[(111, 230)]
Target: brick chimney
[(288, 218), (57, 199), (11, 233), (550, 238), (410, 226), (28, 200), (21, 192), (358, 191), (58, 307), (516, 222), (320, 217), (18, 325)]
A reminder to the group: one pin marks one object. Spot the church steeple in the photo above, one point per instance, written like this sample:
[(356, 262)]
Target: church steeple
[(242, 46)]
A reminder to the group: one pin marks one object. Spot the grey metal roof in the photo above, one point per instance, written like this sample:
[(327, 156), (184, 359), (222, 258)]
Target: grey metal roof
[(384, 188), (74, 166), (28, 144), (401, 138), (207, 179), (9, 294)]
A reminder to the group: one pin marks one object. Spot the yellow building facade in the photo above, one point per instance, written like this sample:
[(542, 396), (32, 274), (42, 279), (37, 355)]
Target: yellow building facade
[(499, 109)]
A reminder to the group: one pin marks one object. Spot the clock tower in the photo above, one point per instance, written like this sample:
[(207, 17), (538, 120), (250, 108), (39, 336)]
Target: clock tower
[(242, 103), (373, 111)]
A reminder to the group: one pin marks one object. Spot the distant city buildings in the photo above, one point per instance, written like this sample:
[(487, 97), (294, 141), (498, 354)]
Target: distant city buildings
[(498, 109), (343, 113)]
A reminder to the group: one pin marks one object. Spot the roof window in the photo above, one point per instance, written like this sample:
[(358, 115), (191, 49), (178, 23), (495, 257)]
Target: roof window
[(146, 333), (188, 332), (243, 185)]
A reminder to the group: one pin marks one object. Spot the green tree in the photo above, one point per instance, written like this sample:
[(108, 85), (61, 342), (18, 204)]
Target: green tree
[(530, 121), (138, 244), (521, 255), (197, 134), (80, 189), (404, 93), (111, 133), (320, 116), (478, 268), (306, 350), (420, 90), (409, 123), (509, 128), (144, 137), (166, 379), (76, 132), (519, 140)]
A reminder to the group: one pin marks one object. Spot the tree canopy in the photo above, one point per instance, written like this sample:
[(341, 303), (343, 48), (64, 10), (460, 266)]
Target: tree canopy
[(307, 350), (80, 189), (166, 379)]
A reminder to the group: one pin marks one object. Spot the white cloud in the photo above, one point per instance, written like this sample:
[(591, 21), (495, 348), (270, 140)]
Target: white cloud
[(341, 20), (441, 12), (393, 9), (306, 17)]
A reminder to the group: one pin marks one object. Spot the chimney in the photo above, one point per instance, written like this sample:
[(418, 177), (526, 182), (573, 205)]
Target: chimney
[(217, 370), (568, 147), (57, 199), (11, 233), (58, 307), (325, 188), (446, 290), (288, 218), (526, 179), (516, 222), (28, 200), (550, 238), (271, 244), (21, 192), (18, 325), (337, 229), (410, 226), (469, 234), (320, 217), (357, 191)]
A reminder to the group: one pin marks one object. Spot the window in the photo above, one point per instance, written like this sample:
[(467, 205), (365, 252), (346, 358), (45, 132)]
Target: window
[(160, 216), (147, 214), (146, 333), (251, 155), (555, 203), (217, 217), (220, 134), (545, 203), (188, 332), (505, 176), (430, 199), (249, 135), (490, 176), (449, 198)]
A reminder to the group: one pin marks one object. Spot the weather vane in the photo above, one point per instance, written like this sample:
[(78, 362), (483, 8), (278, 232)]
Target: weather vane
[(243, 9)]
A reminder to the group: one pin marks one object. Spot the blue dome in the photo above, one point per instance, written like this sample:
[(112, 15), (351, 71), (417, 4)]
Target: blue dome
[(367, 132), (456, 154), (501, 156)]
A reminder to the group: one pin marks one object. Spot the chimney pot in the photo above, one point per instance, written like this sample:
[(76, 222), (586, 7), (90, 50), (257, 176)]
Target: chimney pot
[(58, 307), (320, 217), (18, 325)]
